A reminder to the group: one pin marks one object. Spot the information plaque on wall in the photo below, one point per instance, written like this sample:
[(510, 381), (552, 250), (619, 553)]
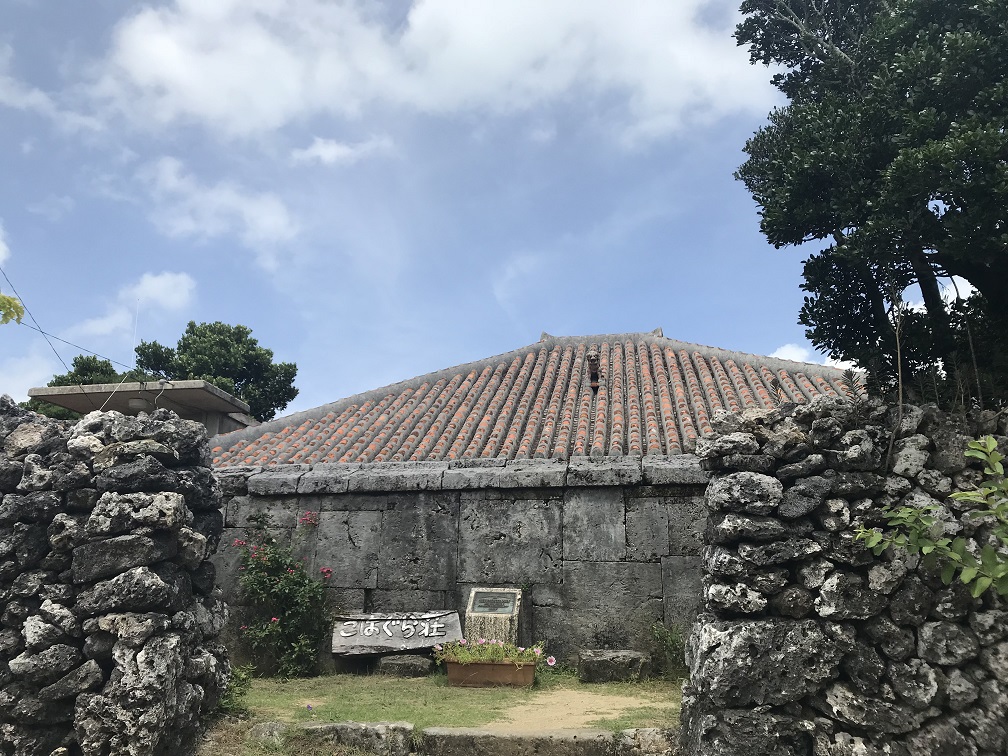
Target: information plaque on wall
[(492, 613), (500, 601)]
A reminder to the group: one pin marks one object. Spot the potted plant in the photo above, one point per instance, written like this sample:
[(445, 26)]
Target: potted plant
[(484, 663)]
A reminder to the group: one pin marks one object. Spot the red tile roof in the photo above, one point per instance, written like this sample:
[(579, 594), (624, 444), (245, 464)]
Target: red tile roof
[(655, 396)]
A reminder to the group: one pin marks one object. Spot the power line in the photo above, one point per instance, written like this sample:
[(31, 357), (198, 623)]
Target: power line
[(44, 335), (77, 346)]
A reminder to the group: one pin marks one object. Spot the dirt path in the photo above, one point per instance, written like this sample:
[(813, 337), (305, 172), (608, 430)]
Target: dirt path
[(567, 710)]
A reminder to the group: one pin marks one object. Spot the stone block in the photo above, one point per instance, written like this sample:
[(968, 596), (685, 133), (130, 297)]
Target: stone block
[(386, 738), (602, 605), (510, 542), (398, 476), (604, 665), (462, 741), (604, 471), (682, 590), (348, 599), (410, 600), (271, 483), (326, 479), (681, 469), (348, 543), (687, 519), (405, 665), (533, 473), (764, 662), (419, 543), (346, 502), (647, 529), (281, 512), (469, 478), (594, 524)]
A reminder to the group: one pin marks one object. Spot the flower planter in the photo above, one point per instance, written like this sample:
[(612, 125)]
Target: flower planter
[(490, 674)]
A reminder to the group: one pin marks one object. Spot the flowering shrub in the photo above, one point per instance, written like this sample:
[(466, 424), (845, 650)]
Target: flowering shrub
[(490, 651), (309, 519), (292, 609)]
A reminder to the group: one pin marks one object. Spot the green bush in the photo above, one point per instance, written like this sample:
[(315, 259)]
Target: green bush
[(913, 529), (292, 612), (232, 700), (669, 650)]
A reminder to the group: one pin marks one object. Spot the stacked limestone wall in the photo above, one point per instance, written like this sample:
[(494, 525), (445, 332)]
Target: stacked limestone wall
[(810, 644), (603, 548), (108, 632)]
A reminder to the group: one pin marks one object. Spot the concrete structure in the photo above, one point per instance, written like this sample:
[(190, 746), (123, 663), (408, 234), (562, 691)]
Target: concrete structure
[(201, 401)]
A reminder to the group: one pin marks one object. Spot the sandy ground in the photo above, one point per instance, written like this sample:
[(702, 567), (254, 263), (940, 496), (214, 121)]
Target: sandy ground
[(566, 710)]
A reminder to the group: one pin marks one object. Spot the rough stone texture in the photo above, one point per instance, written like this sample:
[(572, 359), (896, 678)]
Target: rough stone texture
[(602, 665), (405, 665), (808, 643), (603, 548), (104, 647)]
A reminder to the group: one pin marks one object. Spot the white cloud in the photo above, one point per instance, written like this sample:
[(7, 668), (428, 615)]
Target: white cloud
[(184, 207), (795, 352), (18, 96), (18, 374), (165, 291), (510, 279), (246, 68), (331, 152), (4, 249), (152, 293), (52, 207), (800, 353)]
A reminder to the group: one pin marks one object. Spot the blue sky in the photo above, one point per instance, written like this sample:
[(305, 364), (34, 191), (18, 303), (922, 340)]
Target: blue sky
[(381, 189)]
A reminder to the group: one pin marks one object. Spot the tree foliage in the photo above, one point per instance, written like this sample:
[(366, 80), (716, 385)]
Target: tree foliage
[(891, 157), (10, 309), (224, 355), (228, 357)]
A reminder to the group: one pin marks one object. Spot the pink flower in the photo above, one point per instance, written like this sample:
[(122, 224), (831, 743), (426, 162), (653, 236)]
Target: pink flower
[(550, 661), (437, 646), (538, 651), (462, 642), (481, 641), (275, 619)]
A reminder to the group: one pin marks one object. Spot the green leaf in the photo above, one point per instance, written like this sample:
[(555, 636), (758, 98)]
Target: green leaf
[(981, 585), (967, 575), (948, 572)]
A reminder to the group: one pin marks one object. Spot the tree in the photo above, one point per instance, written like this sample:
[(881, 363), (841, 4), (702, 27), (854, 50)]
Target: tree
[(226, 356), (229, 358), (10, 309), (891, 157)]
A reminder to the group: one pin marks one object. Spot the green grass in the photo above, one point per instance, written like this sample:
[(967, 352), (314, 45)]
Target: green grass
[(425, 702)]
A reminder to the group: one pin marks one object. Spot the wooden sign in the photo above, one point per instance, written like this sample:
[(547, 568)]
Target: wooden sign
[(388, 632)]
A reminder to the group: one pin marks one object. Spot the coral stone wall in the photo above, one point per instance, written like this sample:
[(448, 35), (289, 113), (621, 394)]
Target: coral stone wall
[(108, 633), (809, 644), (603, 548)]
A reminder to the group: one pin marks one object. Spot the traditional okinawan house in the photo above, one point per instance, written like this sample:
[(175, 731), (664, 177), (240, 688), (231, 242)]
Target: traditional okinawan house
[(564, 468)]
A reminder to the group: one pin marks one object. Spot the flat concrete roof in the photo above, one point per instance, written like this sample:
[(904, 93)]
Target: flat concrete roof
[(182, 397)]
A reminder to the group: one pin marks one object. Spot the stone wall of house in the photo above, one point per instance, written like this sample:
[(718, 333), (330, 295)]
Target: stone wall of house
[(603, 548), (809, 644), (108, 632)]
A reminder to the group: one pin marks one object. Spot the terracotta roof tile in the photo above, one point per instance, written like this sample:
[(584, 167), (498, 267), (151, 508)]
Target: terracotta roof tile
[(655, 396)]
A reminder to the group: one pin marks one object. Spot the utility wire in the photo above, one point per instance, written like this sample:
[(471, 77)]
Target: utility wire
[(44, 334), (77, 346)]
